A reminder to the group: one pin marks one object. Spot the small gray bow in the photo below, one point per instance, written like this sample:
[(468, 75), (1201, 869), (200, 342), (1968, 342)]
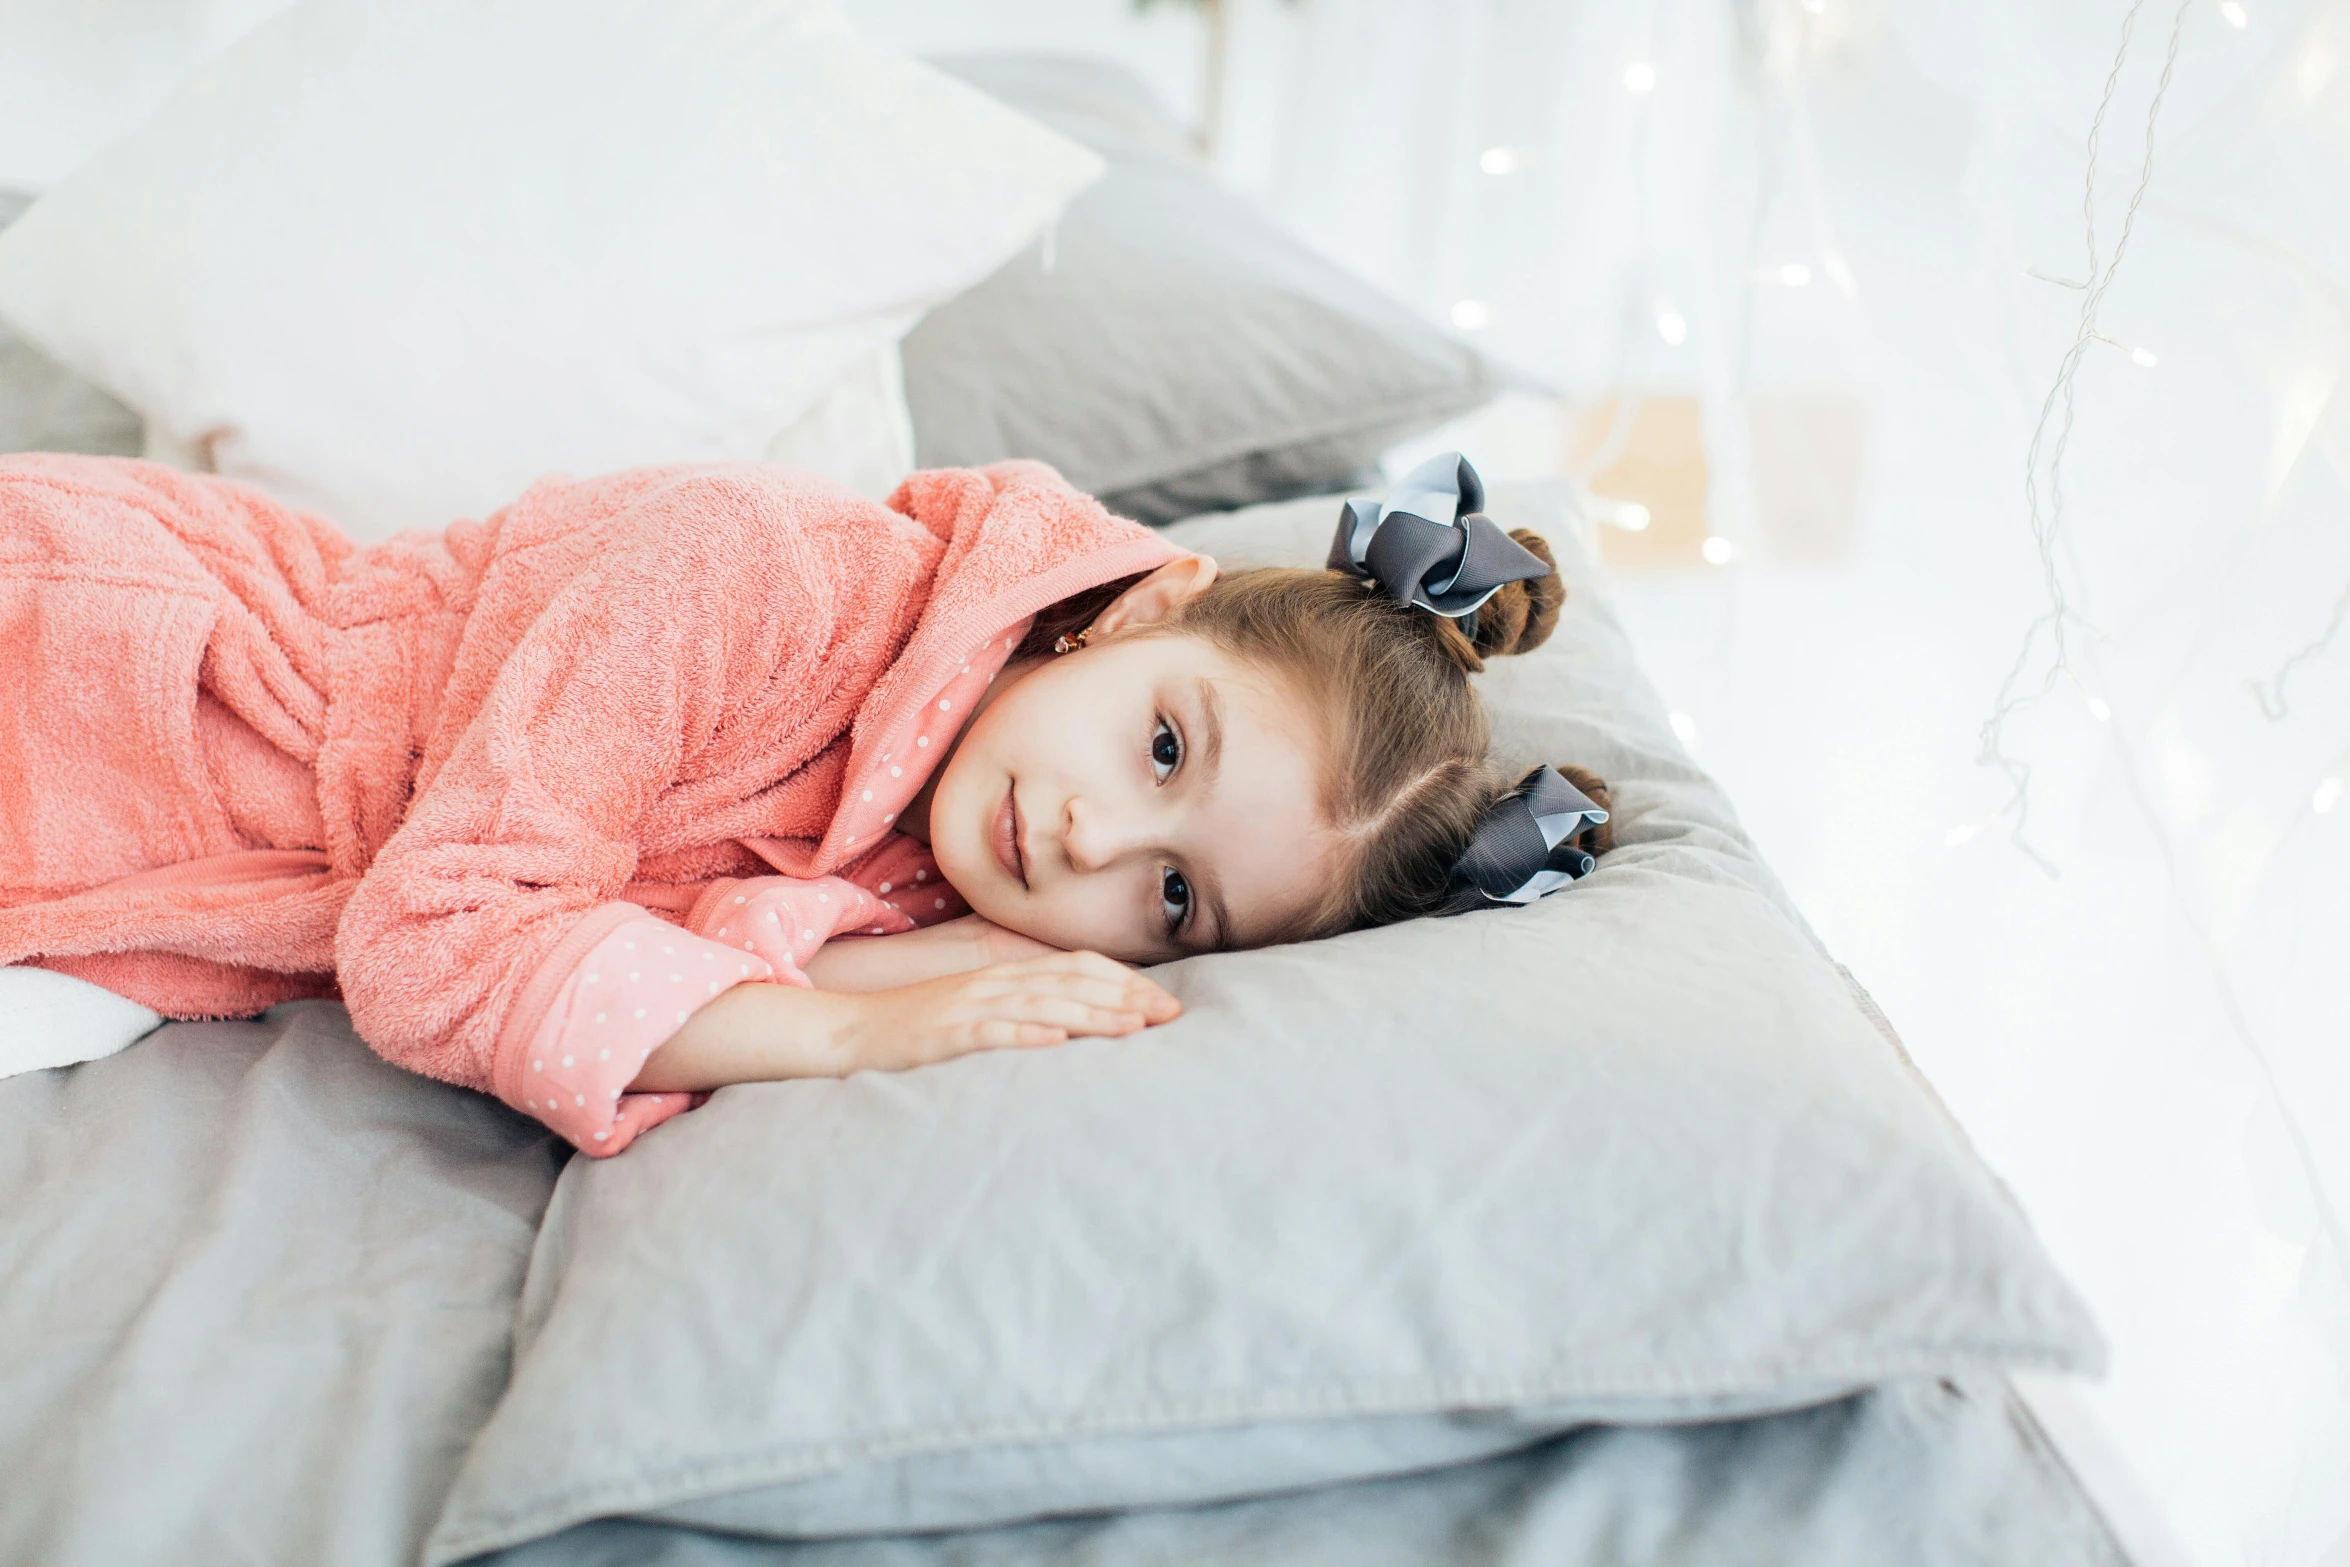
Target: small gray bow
[(1430, 543), (1522, 849)]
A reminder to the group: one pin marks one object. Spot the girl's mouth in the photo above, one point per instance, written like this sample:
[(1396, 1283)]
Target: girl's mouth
[(1007, 837)]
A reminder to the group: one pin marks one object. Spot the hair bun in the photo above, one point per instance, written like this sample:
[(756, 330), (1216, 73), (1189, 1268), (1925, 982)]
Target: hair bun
[(1518, 618), (1521, 617)]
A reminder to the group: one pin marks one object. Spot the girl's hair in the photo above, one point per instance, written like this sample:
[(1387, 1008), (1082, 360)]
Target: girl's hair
[(1408, 781)]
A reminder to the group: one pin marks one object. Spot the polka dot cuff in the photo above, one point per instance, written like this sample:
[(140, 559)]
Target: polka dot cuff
[(631, 992), (639, 984), (782, 920)]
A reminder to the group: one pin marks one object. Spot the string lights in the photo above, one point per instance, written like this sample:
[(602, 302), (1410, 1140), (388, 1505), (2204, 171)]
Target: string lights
[(2045, 502), (2143, 358), (2271, 692), (2056, 419)]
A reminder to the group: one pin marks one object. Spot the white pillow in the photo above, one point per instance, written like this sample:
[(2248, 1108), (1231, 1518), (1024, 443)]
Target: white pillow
[(858, 432), (50, 1019), (75, 74), (395, 260)]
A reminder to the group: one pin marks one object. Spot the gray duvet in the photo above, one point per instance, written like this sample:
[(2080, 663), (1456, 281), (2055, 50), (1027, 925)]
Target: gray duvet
[(256, 1295), (256, 1291), (1919, 1475)]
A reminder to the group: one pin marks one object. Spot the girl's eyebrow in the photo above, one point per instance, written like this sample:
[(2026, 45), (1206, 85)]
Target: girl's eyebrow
[(1211, 746), (1211, 708)]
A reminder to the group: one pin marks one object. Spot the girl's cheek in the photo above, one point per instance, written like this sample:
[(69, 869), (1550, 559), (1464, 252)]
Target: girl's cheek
[(1073, 919)]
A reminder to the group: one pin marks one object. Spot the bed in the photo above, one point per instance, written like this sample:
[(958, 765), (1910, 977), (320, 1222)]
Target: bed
[(261, 1291), (1688, 1266), (264, 1296)]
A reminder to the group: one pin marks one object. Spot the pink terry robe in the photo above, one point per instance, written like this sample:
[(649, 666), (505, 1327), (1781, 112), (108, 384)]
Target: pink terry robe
[(453, 777)]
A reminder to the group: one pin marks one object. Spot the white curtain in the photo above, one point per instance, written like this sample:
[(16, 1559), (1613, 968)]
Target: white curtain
[(1494, 154)]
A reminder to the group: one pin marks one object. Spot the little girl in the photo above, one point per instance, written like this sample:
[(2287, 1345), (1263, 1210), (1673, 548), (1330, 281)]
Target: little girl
[(569, 805)]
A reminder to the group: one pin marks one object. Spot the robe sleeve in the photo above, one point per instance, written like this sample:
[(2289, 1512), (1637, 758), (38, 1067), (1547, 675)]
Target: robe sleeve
[(640, 983), (505, 879)]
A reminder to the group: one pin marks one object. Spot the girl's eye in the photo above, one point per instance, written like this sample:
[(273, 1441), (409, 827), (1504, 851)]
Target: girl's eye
[(1174, 897), (1166, 751)]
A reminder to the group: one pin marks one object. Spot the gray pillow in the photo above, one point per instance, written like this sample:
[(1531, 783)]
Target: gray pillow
[(1179, 353), (1639, 1152)]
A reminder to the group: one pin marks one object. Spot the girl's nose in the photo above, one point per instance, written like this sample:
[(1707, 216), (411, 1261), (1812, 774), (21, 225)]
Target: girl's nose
[(1093, 837)]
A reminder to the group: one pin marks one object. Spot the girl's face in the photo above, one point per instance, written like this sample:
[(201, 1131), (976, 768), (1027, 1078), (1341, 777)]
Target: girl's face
[(1145, 797)]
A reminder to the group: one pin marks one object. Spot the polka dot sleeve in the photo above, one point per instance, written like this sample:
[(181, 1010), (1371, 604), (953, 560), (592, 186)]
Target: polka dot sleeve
[(639, 984), (621, 1003), (783, 920)]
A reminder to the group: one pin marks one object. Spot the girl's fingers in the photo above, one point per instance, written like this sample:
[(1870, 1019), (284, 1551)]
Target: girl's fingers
[(1045, 1004), (1090, 989), (1096, 977), (999, 1033), (1076, 1017), (1156, 1000), (1159, 1005), (1031, 1003)]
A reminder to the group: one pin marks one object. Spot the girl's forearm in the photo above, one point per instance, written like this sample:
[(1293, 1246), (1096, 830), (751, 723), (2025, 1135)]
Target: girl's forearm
[(856, 964), (753, 1033), (868, 963), (756, 1033)]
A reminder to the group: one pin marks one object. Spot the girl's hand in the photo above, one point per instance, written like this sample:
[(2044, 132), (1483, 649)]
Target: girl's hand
[(1041, 1000), (757, 1033)]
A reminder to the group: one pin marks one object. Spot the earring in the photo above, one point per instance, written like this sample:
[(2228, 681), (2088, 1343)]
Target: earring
[(1068, 644)]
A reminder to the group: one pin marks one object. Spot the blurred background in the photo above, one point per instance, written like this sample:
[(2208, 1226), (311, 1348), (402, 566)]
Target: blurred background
[(1960, 391)]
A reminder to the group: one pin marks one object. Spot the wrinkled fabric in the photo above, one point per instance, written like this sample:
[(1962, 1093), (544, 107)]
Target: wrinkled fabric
[(259, 1292), (1926, 1473), (261, 1288)]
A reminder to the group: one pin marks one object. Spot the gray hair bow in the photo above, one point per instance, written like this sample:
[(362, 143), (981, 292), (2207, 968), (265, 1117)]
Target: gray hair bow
[(1430, 543), (1524, 847)]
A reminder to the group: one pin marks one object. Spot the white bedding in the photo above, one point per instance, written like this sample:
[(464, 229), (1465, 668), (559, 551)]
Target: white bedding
[(49, 1020), (393, 263)]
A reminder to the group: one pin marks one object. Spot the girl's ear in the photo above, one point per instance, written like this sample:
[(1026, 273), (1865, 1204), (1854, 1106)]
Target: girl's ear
[(1156, 596)]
